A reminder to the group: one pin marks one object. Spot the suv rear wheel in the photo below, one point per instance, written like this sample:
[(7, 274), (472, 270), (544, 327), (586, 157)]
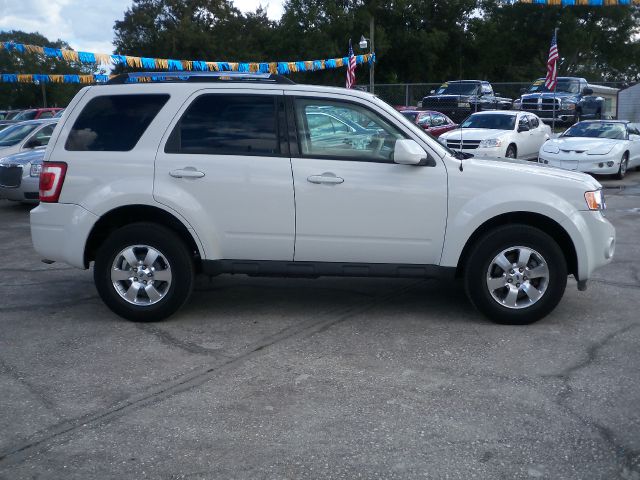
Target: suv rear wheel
[(144, 272), (515, 274)]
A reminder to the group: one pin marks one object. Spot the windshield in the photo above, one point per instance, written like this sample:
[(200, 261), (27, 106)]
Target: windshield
[(457, 89), (26, 115), (564, 85), (490, 121), (15, 134), (616, 131)]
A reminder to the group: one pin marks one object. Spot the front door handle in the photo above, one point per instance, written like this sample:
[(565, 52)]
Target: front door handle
[(327, 178), (187, 172)]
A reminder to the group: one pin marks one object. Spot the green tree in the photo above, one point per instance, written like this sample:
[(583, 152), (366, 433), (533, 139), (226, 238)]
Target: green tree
[(23, 95)]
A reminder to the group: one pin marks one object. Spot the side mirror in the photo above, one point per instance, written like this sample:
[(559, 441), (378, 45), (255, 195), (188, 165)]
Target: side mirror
[(33, 143), (587, 91), (408, 152), (432, 92), (523, 128)]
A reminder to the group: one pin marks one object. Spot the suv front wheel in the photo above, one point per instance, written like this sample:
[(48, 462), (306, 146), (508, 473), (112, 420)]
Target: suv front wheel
[(515, 274), (144, 272)]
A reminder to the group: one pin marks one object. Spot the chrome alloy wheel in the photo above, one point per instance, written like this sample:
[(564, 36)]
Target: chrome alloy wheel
[(141, 275), (517, 277)]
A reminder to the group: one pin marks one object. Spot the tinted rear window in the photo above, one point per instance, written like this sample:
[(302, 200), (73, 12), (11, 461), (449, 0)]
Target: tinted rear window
[(227, 124), (114, 123)]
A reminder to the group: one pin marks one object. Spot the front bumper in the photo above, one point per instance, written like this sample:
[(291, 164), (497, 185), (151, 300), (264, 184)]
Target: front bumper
[(564, 116), (595, 244), (26, 192), (595, 164), (59, 232)]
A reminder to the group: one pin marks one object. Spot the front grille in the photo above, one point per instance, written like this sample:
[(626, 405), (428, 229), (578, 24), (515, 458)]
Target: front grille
[(10, 176), (466, 144), (546, 105)]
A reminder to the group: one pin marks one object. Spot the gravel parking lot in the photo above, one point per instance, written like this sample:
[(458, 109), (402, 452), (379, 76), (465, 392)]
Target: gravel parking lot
[(327, 378)]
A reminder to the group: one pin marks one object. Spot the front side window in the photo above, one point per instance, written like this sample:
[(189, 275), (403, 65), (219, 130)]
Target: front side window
[(425, 120), (114, 123), (224, 124), (369, 136), (44, 134), (439, 120)]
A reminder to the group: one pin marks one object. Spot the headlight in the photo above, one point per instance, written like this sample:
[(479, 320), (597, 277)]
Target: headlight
[(595, 200), (517, 104), (550, 148), (464, 104), (490, 143), (35, 170), (568, 105)]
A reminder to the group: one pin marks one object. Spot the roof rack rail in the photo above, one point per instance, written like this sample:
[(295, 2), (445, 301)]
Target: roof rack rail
[(181, 76)]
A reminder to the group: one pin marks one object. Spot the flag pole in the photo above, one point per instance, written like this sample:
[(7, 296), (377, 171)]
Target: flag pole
[(553, 120)]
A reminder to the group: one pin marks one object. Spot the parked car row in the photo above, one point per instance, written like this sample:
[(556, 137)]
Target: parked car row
[(10, 117), (573, 100), (22, 148)]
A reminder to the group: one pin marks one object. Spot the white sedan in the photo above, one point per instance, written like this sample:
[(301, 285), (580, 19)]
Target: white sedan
[(499, 134), (598, 146)]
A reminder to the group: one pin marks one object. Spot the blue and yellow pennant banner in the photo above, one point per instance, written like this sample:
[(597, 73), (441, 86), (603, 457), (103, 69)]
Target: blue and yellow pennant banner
[(149, 63), (52, 78), (589, 3)]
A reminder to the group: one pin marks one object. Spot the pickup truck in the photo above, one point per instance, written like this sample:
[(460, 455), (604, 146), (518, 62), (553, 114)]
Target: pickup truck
[(460, 98), (575, 99)]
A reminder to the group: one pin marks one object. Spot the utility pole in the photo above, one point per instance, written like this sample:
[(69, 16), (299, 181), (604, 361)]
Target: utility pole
[(372, 50), (44, 95)]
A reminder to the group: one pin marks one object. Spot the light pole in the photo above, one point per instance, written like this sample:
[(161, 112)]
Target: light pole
[(363, 44)]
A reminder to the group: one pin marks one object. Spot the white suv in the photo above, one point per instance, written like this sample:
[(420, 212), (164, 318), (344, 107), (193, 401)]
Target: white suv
[(250, 173)]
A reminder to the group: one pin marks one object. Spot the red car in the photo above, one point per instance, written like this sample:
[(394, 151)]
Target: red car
[(435, 123), (36, 114)]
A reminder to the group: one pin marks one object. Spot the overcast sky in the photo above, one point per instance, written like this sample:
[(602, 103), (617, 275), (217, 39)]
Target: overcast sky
[(86, 24)]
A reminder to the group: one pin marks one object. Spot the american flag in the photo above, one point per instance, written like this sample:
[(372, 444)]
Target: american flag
[(351, 68), (552, 64)]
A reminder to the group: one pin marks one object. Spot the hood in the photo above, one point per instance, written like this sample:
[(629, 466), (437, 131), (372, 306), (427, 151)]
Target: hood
[(581, 144), (22, 158), (473, 133), (532, 170)]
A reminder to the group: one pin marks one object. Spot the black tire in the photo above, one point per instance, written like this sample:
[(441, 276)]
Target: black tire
[(172, 249), (512, 151), (624, 164), (488, 247)]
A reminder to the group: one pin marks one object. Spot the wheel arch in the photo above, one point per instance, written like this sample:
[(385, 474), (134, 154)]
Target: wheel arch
[(542, 222), (121, 216)]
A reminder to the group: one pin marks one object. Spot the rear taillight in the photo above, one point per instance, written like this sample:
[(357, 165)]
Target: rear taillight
[(51, 180)]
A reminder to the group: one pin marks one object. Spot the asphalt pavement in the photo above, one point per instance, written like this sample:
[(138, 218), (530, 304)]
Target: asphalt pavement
[(263, 378)]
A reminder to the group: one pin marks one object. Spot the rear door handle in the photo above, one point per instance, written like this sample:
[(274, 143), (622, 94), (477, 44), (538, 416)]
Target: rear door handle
[(187, 172), (327, 177)]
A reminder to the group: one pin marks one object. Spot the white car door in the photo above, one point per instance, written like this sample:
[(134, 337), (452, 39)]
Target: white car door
[(527, 139), (540, 134), (226, 167), (353, 204)]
